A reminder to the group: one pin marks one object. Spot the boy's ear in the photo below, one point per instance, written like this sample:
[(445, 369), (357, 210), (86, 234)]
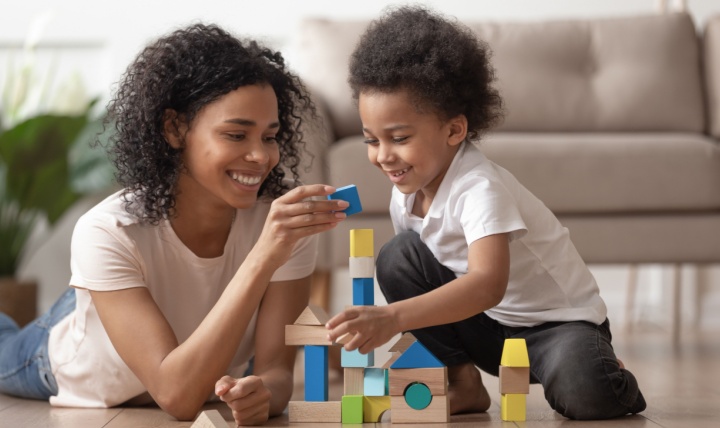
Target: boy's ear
[(458, 126), (174, 128)]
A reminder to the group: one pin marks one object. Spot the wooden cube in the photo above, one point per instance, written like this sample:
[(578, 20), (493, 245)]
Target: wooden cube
[(514, 380)]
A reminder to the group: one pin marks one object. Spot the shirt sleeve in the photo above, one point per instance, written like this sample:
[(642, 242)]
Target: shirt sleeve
[(486, 207), (102, 257)]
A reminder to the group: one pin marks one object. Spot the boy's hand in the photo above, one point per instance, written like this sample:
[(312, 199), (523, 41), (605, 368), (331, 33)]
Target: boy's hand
[(371, 326), (248, 398)]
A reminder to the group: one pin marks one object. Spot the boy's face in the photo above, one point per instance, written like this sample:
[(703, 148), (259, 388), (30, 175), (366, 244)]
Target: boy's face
[(413, 149)]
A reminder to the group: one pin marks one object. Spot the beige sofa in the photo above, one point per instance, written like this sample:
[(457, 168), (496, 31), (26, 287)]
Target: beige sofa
[(613, 123)]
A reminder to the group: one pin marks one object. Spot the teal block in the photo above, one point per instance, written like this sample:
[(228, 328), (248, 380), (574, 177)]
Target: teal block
[(416, 357), (363, 291), (418, 396), (356, 359), (316, 373), (374, 382), (387, 382), (352, 409), (350, 195)]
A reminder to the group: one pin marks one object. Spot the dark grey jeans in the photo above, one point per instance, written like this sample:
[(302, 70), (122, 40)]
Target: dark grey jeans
[(574, 361)]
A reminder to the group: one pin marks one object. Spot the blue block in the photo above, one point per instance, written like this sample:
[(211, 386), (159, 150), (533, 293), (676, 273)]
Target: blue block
[(415, 357), (374, 382), (363, 291), (350, 195), (316, 373), (356, 359)]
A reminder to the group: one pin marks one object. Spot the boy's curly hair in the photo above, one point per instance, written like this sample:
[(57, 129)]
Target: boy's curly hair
[(441, 63), (184, 71)]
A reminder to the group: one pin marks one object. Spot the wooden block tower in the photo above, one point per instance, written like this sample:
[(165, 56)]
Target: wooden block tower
[(361, 379), (514, 380), (417, 384), (309, 331)]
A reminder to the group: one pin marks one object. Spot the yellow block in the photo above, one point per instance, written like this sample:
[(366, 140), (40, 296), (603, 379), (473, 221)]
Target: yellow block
[(361, 243), (373, 408), (515, 353), (512, 407)]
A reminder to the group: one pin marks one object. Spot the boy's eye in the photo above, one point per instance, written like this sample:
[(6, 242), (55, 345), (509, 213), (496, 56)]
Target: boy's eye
[(399, 139), (370, 141)]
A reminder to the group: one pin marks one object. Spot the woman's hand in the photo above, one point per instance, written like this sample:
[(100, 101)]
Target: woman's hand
[(248, 398), (299, 213), (372, 326)]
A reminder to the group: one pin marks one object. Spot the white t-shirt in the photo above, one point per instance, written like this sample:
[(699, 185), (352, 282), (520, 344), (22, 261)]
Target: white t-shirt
[(548, 279), (111, 250)]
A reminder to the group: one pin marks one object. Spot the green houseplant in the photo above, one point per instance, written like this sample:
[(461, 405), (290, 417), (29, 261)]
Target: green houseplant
[(47, 163)]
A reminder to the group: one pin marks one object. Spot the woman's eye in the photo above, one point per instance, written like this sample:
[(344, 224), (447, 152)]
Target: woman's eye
[(271, 139), (237, 137)]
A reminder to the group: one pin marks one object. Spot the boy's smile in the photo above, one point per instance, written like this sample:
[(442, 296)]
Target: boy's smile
[(413, 148)]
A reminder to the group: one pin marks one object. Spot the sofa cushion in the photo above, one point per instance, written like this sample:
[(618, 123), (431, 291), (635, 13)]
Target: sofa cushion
[(711, 48), (575, 173), (611, 75)]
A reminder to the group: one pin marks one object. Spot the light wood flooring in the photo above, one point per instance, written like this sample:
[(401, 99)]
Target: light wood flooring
[(681, 385)]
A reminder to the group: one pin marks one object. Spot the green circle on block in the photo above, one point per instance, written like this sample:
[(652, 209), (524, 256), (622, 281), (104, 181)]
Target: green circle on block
[(418, 396)]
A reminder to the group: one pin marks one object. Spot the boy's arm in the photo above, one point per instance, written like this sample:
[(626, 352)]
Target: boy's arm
[(482, 288)]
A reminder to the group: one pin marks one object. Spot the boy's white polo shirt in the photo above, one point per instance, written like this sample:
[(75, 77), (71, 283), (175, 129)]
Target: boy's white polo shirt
[(548, 280)]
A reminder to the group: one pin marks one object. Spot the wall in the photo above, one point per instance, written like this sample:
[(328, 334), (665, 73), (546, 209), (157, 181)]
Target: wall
[(98, 39)]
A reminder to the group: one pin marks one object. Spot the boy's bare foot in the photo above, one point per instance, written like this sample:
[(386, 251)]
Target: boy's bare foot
[(466, 392)]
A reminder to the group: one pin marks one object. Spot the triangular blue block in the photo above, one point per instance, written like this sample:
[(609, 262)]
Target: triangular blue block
[(416, 357)]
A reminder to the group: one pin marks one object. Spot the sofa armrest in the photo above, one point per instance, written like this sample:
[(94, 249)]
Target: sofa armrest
[(711, 46)]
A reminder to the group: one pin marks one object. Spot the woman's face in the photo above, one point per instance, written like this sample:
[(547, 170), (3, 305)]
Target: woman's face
[(230, 148)]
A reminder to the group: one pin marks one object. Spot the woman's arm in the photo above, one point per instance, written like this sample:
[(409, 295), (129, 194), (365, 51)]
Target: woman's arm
[(181, 376), (482, 288), (256, 398)]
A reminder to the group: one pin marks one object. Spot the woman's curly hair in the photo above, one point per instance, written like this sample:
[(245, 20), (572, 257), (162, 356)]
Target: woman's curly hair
[(184, 71), (441, 63)]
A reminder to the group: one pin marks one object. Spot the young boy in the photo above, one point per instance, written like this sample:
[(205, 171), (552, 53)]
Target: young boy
[(477, 258)]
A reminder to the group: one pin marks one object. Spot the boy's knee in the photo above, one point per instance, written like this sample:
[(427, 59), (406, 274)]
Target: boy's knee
[(584, 396), (397, 254)]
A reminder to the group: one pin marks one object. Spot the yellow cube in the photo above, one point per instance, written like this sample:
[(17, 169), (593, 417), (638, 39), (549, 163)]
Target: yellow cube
[(361, 243), (512, 407), (374, 407)]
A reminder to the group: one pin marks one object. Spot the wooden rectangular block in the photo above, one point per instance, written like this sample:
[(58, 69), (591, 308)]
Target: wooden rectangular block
[(363, 291), (352, 409), (514, 380), (391, 360), (306, 335), (512, 407), (353, 382), (361, 243), (356, 359), (374, 407), (362, 267), (438, 411), (316, 373), (433, 378), (318, 411)]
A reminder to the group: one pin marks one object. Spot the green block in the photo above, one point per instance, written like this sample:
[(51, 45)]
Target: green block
[(418, 396), (352, 409)]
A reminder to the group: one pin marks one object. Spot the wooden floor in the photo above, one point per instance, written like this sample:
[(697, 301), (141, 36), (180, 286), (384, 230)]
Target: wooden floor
[(681, 385)]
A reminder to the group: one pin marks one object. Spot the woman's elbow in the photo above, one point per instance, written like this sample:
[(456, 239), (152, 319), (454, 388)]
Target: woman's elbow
[(179, 407)]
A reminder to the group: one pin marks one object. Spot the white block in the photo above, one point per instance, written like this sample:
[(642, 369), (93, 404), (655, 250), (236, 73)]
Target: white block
[(362, 267)]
